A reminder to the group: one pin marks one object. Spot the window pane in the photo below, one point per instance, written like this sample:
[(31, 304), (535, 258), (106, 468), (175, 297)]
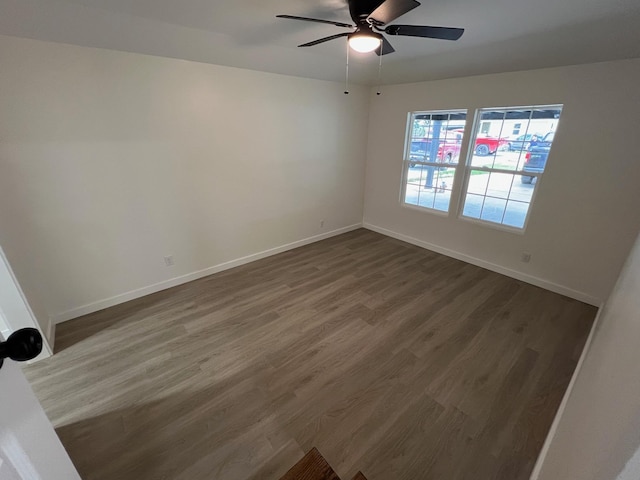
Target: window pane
[(442, 201), (493, 209), (442, 187), (445, 178), (490, 192), (418, 151), (487, 151), (535, 159), (437, 140), (411, 194), (499, 185), (478, 182), (433, 189), (514, 140), (426, 198), (521, 189), (429, 176), (516, 214), (473, 205), (414, 173)]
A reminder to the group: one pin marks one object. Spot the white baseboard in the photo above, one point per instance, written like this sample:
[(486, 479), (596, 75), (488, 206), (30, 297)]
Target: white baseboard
[(535, 474), (538, 282), (172, 282)]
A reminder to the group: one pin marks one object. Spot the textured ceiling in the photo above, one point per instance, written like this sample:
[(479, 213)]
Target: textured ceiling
[(501, 35)]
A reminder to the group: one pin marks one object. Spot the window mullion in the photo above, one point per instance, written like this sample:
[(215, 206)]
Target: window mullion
[(504, 170)]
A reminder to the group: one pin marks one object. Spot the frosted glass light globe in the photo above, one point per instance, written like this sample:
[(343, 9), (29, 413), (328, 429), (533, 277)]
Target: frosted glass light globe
[(364, 43)]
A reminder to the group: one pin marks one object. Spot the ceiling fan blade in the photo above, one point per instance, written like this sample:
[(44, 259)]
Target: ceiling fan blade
[(317, 20), (390, 10), (442, 33), (325, 39), (386, 48)]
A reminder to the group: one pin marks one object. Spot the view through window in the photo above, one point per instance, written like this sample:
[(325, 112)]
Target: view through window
[(431, 156), (507, 157), (504, 168)]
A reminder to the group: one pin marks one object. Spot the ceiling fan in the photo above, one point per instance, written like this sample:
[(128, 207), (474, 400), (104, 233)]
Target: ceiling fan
[(371, 17)]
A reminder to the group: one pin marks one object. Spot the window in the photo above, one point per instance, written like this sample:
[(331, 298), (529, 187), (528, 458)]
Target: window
[(501, 173), (432, 151), (507, 157)]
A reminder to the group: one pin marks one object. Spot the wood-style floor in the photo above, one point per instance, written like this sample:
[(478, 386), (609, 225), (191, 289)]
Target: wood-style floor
[(388, 358)]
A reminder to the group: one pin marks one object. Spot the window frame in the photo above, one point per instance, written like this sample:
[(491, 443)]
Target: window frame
[(406, 161), (468, 168)]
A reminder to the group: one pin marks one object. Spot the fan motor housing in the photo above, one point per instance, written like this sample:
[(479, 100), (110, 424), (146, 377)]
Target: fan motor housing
[(361, 9)]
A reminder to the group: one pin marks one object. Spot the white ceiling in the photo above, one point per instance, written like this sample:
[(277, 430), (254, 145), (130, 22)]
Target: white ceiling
[(501, 35)]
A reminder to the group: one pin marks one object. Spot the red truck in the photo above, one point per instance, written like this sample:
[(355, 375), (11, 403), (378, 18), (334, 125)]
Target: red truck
[(448, 149), (489, 145), (486, 145)]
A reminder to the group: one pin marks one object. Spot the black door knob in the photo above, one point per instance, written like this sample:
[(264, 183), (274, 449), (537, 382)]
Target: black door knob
[(22, 345)]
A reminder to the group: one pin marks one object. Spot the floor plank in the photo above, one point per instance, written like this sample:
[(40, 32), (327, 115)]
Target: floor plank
[(388, 358)]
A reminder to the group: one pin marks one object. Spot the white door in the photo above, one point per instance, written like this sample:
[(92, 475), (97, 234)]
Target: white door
[(29, 447), (15, 310)]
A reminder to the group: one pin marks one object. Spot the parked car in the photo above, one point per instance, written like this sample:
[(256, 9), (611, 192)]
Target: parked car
[(521, 142), (448, 149), (536, 158), (486, 145), (489, 145)]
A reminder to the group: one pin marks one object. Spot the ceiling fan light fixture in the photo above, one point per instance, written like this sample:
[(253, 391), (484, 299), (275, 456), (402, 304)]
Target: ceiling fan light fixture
[(370, 17), (365, 42)]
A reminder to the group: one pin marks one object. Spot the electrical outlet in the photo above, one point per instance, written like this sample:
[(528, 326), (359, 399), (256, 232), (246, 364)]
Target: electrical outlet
[(321, 223), (526, 257), (168, 261)]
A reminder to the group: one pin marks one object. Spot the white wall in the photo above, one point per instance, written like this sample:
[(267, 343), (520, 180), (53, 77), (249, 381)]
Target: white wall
[(110, 161), (585, 217), (599, 430)]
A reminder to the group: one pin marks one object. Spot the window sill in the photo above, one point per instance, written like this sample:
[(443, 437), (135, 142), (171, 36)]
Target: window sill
[(495, 226), (418, 208)]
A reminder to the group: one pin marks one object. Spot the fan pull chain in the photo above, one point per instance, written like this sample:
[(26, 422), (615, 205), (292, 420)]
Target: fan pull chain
[(380, 71), (346, 89)]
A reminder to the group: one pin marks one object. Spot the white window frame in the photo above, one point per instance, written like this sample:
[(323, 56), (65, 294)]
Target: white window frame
[(406, 161), (476, 129)]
